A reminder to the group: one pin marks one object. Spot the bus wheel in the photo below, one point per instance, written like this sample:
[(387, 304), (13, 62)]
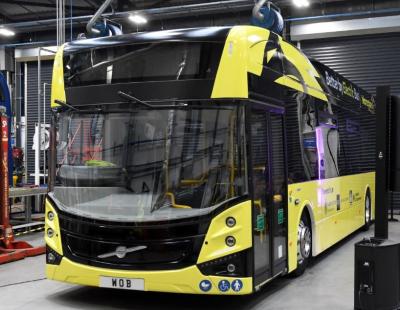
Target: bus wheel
[(304, 244), (368, 211)]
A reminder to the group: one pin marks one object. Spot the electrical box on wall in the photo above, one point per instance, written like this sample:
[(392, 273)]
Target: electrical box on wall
[(6, 59)]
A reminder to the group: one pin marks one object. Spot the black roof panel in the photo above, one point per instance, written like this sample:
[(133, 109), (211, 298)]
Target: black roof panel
[(209, 34)]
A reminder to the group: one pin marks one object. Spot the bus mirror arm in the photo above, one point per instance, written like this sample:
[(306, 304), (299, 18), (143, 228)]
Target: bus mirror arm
[(66, 105)]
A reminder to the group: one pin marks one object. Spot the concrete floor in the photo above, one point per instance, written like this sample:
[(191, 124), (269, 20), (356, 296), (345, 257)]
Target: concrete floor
[(328, 283)]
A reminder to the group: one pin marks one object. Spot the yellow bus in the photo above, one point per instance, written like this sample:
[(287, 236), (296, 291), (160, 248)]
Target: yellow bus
[(201, 161)]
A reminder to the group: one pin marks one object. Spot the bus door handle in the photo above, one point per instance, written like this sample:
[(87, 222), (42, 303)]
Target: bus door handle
[(277, 198)]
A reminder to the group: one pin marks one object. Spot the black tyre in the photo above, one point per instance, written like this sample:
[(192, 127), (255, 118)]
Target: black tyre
[(367, 211), (304, 245)]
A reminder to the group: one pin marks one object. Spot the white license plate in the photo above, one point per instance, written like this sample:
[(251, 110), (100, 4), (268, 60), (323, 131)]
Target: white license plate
[(122, 283)]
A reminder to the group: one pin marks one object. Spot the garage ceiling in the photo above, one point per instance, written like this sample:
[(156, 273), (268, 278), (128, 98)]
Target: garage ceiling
[(28, 16), (26, 10)]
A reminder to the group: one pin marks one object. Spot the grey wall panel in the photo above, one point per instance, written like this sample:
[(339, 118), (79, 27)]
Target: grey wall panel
[(368, 61), (32, 108)]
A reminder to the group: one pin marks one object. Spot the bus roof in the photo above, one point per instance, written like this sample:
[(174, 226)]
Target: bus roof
[(343, 89), (208, 34), (340, 87)]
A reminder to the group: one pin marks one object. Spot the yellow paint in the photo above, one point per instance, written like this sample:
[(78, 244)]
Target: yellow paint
[(175, 281), (306, 69), (57, 84), (214, 245), (290, 82), (243, 53), (270, 54), (55, 241), (329, 225), (185, 280)]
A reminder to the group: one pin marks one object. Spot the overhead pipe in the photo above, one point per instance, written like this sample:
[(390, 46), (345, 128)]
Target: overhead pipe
[(256, 10), (34, 44), (351, 14), (90, 26)]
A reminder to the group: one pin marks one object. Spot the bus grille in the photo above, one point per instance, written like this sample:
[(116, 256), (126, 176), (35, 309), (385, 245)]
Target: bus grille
[(131, 246)]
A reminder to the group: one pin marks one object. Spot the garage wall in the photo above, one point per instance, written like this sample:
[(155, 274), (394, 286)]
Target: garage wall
[(368, 61)]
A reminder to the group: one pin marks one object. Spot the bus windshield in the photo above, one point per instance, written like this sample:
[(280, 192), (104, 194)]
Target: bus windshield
[(149, 164)]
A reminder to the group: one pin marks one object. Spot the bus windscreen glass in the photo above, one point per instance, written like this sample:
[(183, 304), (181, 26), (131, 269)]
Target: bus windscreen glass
[(149, 165)]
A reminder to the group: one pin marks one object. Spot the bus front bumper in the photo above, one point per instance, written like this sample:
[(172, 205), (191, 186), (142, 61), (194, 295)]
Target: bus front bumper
[(188, 280)]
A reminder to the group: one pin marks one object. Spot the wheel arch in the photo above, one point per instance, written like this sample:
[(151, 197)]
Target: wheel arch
[(307, 208)]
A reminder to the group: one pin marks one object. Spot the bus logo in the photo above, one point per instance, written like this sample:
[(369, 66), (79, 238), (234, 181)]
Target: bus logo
[(121, 251)]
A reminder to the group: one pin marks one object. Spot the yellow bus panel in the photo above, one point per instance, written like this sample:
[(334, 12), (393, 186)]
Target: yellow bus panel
[(336, 208)]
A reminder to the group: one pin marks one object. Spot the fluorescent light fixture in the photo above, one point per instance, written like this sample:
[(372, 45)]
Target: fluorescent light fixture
[(301, 3), (138, 19), (6, 32)]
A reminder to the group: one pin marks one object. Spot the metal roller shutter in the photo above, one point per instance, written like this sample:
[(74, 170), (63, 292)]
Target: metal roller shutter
[(368, 61), (32, 109)]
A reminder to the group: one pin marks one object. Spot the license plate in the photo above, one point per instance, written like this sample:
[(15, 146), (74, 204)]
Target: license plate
[(122, 283)]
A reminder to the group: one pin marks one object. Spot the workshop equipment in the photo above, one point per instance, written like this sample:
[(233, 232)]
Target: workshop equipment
[(10, 250), (377, 260)]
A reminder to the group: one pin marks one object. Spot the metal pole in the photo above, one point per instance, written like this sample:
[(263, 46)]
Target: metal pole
[(17, 102), (38, 137), (57, 23), (394, 151), (44, 122), (70, 21), (382, 161), (26, 121)]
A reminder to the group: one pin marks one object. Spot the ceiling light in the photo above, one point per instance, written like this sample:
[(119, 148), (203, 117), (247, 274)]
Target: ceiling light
[(301, 3), (6, 32), (138, 19)]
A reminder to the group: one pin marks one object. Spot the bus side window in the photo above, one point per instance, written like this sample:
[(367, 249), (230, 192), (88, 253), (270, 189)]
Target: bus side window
[(319, 137), (349, 158)]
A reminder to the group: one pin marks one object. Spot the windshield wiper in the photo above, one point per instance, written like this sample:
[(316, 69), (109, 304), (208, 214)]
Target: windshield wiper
[(146, 104), (65, 105)]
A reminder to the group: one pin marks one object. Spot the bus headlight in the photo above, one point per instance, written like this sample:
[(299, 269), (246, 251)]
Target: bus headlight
[(230, 221), (50, 215), (52, 257), (230, 241), (50, 233)]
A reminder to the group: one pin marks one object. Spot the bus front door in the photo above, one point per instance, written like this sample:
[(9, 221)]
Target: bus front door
[(268, 175)]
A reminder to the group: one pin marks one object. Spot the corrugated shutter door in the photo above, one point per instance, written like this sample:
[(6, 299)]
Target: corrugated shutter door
[(32, 109), (368, 61)]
